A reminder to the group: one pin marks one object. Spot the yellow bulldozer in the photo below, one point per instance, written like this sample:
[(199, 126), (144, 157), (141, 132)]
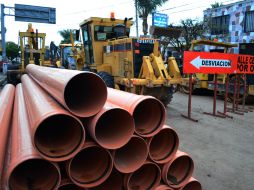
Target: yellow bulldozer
[(32, 51), (127, 63)]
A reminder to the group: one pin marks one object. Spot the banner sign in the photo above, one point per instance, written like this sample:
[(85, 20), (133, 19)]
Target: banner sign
[(217, 63), (29, 13), (160, 20)]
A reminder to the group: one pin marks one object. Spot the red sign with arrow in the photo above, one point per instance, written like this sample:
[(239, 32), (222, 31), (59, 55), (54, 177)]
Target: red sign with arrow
[(211, 63), (217, 63)]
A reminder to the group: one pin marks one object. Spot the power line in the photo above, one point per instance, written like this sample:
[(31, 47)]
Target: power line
[(98, 8), (163, 10)]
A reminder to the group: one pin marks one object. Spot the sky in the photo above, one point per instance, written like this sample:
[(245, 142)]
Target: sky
[(69, 14)]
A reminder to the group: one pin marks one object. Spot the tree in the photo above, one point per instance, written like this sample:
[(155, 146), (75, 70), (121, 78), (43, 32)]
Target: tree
[(181, 36), (192, 29), (216, 5), (12, 50), (65, 34), (146, 7)]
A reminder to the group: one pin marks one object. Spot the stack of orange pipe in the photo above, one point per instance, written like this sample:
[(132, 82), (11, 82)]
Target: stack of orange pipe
[(68, 131)]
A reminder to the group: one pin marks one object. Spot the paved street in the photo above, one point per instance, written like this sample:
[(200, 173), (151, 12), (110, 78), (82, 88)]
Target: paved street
[(222, 149)]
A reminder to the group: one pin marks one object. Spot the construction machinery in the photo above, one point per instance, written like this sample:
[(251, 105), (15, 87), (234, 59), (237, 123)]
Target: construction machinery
[(205, 81), (71, 56), (127, 63), (32, 48)]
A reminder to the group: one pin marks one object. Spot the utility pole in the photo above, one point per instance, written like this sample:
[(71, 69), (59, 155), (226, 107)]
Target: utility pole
[(3, 30), (136, 10)]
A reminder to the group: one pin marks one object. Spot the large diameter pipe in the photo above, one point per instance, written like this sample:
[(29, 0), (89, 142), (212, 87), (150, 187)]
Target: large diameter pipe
[(6, 106), (131, 156), (148, 112), (112, 127), (163, 187), (27, 170), (67, 184), (178, 171), (114, 182), (91, 166), (192, 184), (82, 93), (146, 177), (56, 134), (163, 146)]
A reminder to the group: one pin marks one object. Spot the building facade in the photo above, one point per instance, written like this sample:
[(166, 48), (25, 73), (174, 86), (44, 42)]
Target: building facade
[(233, 23)]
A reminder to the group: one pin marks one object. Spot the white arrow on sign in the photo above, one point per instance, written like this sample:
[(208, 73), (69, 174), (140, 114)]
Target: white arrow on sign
[(222, 63)]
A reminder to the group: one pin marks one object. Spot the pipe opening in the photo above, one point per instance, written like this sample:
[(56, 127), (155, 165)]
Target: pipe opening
[(131, 156), (194, 185), (153, 118), (69, 187), (163, 145), (114, 128), (85, 94), (163, 187), (114, 182), (146, 177), (58, 136), (91, 165), (180, 170), (34, 174)]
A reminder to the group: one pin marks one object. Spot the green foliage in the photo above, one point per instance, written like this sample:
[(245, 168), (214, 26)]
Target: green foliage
[(12, 50), (191, 30), (146, 7), (65, 34), (216, 5)]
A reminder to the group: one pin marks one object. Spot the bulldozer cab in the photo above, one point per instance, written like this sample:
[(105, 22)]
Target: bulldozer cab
[(96, 31)]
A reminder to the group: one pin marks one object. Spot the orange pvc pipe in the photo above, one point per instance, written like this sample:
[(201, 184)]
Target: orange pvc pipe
[(148, 112), (6, 106), (114, 182), (56, 134), (66, 184), (27, 170), (192, 184), (177, 172), (112, 127), (164, 145), (131, 156), (146, 177), (82, 93), (91, 166), (163, 187)]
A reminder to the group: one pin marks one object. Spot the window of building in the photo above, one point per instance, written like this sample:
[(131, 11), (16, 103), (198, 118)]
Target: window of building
[(220, 25), (249, 21)]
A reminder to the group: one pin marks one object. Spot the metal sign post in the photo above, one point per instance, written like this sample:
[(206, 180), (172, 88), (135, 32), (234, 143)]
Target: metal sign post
[(3, 31), (224, 113), (26, 13), (214, 99), (219, 63), (189, 102)]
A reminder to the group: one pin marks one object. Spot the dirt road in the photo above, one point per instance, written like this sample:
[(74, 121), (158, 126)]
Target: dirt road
[(222, 149)]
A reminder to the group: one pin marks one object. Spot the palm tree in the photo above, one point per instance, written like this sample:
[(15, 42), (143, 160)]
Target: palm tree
[(146, 7), (65, 34)]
